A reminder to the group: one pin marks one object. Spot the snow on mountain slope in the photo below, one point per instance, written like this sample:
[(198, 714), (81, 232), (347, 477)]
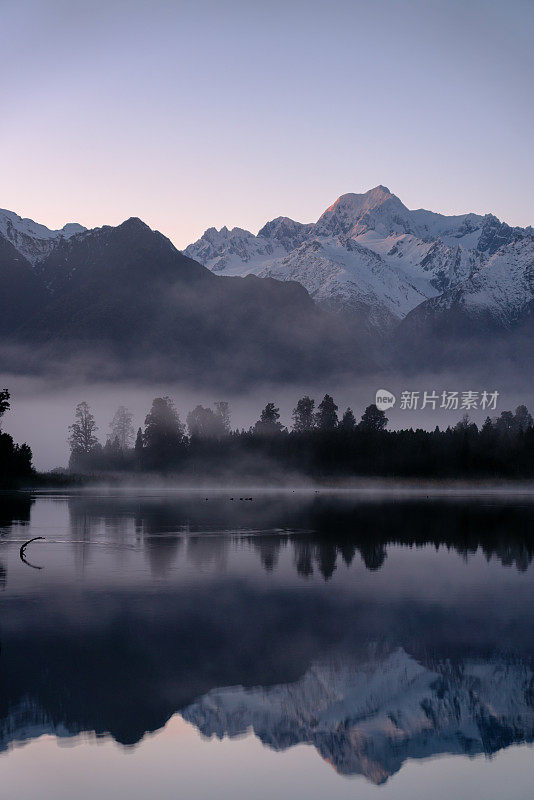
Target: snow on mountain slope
[(287, 232), (367, 717), (234, 252), (368, 256), (352, 214), (32, 240), (430, 266), (381, 211), (421, 254), (239, 252), (344, 276), (498, 292)]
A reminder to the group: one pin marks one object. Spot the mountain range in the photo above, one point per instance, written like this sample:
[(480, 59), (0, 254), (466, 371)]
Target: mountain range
[(371, 283), (417, 277), (124, 301), (32, 240)]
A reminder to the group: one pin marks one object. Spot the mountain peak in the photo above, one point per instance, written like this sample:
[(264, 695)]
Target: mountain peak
[(133, 224), (71, 229), (133, 232), (365, 200), (33, 240), (9, 221), (286, 231), (343, 215)]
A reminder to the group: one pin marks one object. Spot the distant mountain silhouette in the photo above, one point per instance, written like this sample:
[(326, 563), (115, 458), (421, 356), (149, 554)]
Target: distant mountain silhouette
[(130, 303), (22, 292)]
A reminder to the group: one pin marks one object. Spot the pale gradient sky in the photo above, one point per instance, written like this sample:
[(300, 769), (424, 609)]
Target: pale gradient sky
[(198, 113)]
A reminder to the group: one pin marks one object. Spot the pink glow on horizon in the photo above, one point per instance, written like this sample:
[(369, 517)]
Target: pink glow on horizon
[(193, 115)]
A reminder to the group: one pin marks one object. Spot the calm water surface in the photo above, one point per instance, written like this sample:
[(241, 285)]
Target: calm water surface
[(201, 645)]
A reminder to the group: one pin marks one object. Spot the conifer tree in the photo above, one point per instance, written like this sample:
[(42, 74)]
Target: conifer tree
[(523, 418), (138, 449), (303, 415), (163, 437), (348, 422), (268, 423), (326, 417), (4, 402)]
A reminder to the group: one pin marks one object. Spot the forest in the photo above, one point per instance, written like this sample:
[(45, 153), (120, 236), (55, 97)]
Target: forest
[(320, 445)]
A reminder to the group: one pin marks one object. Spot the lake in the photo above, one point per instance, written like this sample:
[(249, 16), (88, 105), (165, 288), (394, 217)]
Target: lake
[(249, 644)]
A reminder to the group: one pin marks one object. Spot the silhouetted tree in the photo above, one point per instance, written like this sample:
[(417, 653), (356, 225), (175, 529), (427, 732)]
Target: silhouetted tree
[(487, 427), (326, 417), (4, 402), (348, 422), (121, 428), (303, 415), (503, 447), (113, 455), (15, 460), (82, 440), (268, 423), (373, 419), (523, 418), (506, 423), (163, 437), (205, 423), (465, 425)]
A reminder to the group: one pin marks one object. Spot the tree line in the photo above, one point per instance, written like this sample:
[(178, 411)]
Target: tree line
[(15, 459), (320, 444)]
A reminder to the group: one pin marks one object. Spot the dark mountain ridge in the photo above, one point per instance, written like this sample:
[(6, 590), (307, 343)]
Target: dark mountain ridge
[(124, 301), (23, 293)]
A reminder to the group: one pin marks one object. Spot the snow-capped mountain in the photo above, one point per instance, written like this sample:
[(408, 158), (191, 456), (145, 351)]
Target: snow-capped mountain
[(342, 275), (229, 251), (367, 717), (414, 277), (32, 240), (496, 294), (369, 254)]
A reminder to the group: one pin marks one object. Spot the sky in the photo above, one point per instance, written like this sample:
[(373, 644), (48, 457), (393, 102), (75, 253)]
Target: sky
[(191, 114)]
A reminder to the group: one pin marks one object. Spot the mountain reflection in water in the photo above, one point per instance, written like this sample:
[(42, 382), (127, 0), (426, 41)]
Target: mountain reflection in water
[(374, 631)]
